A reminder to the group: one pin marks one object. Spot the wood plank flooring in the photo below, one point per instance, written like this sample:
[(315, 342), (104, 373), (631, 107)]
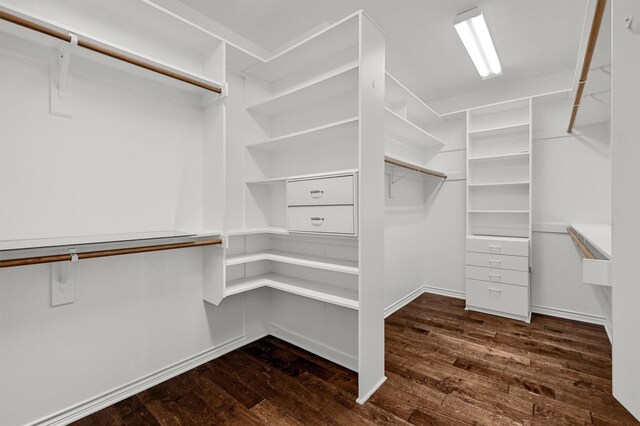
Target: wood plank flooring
[(445, 366)]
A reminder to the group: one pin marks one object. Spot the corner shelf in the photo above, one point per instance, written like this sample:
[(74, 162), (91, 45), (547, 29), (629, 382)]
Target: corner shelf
[(306, 288), (332, 130), (500, 156), (407, 131), (282, 179), (334, 83), (309, 261)]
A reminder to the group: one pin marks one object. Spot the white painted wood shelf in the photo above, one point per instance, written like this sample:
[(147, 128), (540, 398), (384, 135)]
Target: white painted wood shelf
[(399, 127), (498, 184), (251, 231), (316, 135), (508, 156), (306, 288), (16, 249), (331, 84), (398, 95), (309, 261), (282, 179), (488, 131), (596, 234)]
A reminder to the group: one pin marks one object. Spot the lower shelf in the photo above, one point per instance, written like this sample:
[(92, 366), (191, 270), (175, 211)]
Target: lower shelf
[(311, 289)]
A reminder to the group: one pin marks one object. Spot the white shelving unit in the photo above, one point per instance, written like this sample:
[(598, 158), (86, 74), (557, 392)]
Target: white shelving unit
[(303, 117), (499, 209)]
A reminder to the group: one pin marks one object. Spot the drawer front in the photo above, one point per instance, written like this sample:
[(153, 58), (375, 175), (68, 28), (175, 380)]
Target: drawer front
[(322, 219), (498, 261), (325, 191), (510, 299), (508, 247), (496, 275)]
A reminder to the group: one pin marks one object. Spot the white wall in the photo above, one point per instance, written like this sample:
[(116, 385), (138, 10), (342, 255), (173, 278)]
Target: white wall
[(130, 159)]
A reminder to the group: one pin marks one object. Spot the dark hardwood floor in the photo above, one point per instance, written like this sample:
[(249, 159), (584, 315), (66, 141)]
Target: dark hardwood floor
[(445, 366)]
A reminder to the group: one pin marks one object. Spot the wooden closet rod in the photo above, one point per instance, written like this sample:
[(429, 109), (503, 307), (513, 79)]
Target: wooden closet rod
[(588, 55), (104, 253), (414, 168), (116, 55), (581, 246)]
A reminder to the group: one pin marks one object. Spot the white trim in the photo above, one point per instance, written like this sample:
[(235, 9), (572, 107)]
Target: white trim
[(372, 391), (571, 315), (554, 228), (445, 292), (91, 405), (608, 327), (402, 302), (322, 350)]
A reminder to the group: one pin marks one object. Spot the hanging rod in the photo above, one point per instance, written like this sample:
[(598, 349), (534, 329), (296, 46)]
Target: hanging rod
[(104, 253), (116, 55), (581, 246), (413, 167), (588, 55)]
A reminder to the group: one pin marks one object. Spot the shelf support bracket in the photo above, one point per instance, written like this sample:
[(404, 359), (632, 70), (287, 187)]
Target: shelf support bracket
[(61, 93), (63, 280), (393, 180)]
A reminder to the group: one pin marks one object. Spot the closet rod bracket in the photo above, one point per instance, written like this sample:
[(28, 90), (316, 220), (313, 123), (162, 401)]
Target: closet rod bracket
[(65, 57), (393, 180)]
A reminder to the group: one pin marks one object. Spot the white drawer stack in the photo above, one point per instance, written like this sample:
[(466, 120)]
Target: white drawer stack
[(497, 274), (323, 205)]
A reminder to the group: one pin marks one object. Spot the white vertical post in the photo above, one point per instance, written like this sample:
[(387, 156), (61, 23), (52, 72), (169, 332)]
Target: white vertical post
[(371, 211), (625, 140)]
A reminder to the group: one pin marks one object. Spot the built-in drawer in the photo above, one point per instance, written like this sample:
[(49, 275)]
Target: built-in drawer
[(499, 261), (511, 247), (322, 219), (499, 297), (323, 191), (496, 275)]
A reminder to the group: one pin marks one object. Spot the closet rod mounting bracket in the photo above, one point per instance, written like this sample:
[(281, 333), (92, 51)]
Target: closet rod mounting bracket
[(65, 57)]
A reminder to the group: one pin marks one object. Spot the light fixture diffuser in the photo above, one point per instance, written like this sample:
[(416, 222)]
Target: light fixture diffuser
[(474, 33)]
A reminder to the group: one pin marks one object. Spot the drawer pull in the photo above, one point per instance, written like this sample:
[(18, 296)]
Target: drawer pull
[(499, 262), (495, 277), (495, 249), (316, 193), (495, 290), (317, 221)]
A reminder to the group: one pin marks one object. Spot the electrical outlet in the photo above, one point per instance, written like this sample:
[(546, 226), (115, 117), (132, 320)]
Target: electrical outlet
[(62, 283)]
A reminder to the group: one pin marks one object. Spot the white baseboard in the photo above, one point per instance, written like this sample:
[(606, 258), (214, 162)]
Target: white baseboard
[(389, 310), (608, 327), (113, 396), (444, 292), (371, 391), (341, 358), (571, 315)]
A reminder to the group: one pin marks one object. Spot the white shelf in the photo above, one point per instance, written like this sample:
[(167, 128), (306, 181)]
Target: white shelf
[(513, 155), (407, 131), (500, 211), (500, 129), (15, 249), (309, 261), (45, 40), (282, 179), (475, 185), (331, 84), (597, 234), (311, 289), (315, 135), (398, 94), (251, 231)]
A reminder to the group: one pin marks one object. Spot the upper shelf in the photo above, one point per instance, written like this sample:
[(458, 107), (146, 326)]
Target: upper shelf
[(331, 84), (315, 135), (324, 44), (282, 179), (597, 234), (495, 130), (51, 34), (398, 95), (398, 127)]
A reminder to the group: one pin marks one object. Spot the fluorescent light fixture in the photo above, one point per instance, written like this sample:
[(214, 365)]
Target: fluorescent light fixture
[(474, 33)]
